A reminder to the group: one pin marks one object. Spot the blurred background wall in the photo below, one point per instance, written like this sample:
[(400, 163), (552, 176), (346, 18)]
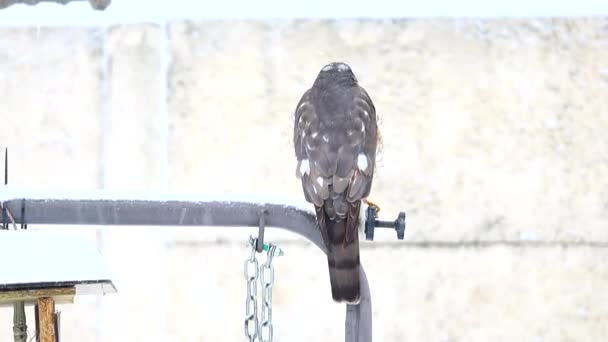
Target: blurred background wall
[(493, 141)]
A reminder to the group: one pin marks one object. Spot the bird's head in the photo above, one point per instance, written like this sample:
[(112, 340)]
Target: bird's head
[(336, 72)]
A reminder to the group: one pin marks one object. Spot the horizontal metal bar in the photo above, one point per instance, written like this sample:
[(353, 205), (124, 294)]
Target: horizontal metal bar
[(106, 208), (161, 213)]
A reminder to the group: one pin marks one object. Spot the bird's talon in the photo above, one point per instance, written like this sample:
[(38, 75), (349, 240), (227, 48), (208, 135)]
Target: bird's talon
[(373, 205)]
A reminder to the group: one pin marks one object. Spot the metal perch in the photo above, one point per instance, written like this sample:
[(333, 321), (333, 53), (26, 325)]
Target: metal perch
[(105, 208)]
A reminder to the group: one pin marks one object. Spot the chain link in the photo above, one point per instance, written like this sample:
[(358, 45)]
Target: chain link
[(265, 273), (251, 304), (267, 281)]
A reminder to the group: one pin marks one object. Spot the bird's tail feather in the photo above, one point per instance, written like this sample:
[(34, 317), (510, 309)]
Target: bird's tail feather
[(343, 260), (344, 275)]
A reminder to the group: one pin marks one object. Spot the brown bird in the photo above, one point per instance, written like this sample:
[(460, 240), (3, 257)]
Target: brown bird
[(335, 138)]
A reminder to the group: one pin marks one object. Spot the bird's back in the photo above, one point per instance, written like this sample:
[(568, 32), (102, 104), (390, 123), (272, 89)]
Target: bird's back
[(335, 142)]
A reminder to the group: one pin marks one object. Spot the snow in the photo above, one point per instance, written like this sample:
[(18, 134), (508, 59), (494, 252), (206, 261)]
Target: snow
[(9, 192), (39, 257), (125, 11)]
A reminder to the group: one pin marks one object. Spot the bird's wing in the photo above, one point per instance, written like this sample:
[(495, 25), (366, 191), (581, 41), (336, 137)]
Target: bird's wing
[(336, 155)]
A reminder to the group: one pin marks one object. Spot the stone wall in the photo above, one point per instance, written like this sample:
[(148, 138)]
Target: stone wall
[(493, 141)]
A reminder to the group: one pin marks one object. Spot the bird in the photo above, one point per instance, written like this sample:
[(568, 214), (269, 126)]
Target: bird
[(335, 139)]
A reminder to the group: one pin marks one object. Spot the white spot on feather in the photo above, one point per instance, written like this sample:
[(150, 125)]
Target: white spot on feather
[(303, 104), (325, 138), (304, 166), (366, 114), (362, 162), (320, 180), (314, 134)]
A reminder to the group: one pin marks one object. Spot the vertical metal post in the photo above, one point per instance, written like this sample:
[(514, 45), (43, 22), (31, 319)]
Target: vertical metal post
[(19, 325)]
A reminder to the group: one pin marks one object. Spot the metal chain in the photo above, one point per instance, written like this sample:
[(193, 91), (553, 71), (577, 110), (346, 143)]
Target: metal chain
[(267, 281), (264, 330), (251, 304)]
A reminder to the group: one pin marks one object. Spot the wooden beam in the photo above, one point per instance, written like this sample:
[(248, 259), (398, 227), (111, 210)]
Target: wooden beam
[(46, 317), (60, 295)]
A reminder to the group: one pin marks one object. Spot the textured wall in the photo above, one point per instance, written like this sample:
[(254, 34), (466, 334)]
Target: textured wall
[(493, 143)]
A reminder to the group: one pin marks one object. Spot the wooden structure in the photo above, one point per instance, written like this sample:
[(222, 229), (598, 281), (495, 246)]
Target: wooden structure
[(44, 269)]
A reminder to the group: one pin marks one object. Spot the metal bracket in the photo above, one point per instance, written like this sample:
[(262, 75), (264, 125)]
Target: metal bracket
[(23, 219), (259, 242), (371, 223)]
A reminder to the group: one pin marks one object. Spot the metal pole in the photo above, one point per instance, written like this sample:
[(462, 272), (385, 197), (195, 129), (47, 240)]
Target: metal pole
[(105, 208), (19, 324)]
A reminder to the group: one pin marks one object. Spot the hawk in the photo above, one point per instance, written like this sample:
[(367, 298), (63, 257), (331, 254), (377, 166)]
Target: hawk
[(335, 137)]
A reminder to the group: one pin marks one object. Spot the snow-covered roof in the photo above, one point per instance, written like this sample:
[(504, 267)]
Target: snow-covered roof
[(33, 260)]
